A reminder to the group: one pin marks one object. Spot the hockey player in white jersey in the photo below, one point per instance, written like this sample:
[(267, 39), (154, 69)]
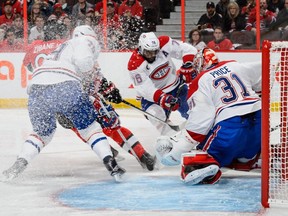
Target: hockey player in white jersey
[(224, 124), (155, 79), (61, 85)]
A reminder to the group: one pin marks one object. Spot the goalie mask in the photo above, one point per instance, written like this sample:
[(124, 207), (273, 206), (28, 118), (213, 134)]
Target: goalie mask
[(205, 59), (148, 46)]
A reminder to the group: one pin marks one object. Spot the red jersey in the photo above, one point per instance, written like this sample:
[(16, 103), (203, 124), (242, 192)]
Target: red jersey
[(225, 44), (38, 50), (136, 9), (16, 7), (6, 20), (6, 46)]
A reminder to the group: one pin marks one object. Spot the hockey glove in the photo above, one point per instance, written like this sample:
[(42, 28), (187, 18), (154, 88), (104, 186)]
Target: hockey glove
[(168, 102), (110, 92), (110, 121), (187, 72)]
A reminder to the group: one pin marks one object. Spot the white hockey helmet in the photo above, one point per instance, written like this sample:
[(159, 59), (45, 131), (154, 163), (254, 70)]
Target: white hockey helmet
[(83, 30), (148, 46)]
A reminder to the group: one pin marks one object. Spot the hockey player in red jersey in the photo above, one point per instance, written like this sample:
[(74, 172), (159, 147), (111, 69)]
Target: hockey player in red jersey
[(111, 126), (224, 124), (110, 123), (155, 79)]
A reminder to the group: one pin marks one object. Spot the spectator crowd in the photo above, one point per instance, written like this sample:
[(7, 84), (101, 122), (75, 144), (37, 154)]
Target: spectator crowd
[(229, 24), (226, 25), (49, 20)]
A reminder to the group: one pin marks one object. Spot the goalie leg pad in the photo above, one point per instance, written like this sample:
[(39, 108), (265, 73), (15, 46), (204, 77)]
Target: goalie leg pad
[(246, 165), (200, 168)]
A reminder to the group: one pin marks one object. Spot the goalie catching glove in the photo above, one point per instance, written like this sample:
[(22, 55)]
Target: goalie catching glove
[(187, 72), (169, 149), (110, 92)]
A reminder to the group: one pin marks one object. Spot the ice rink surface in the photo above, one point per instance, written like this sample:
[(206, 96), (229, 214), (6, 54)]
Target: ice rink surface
[(68, 179)]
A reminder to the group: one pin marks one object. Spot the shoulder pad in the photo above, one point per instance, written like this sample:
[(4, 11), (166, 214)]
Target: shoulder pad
[(135, 61), (163, 40)]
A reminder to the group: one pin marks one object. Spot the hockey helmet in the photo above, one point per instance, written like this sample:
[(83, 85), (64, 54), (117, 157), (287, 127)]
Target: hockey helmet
[(148, 46), (83, 30), (205, 58)]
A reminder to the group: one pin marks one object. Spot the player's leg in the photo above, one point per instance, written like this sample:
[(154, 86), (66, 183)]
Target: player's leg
[(145, 158), (84, 117), (67, 124), (110, 122), (249, 158), (220, 147), (43, 120)]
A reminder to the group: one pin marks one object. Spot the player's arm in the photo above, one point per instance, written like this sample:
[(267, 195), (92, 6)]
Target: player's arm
[(145, 88), (180, 50), (177, 49)]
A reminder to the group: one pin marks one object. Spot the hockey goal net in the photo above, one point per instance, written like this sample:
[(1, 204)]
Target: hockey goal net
[(274, 123)]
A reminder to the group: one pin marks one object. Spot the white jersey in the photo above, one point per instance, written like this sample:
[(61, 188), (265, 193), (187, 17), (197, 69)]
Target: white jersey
[(72, 60), (161, 74), (227, 90)]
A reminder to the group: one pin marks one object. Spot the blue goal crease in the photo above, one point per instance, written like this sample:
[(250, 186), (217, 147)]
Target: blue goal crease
[(144, 193)]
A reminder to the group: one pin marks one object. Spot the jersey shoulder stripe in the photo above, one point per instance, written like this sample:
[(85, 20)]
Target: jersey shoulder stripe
[(163, 40), (135, 60)]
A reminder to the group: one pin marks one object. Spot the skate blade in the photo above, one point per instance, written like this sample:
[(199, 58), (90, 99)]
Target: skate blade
[(198, 175), (119, 177), (7, 177), (119, 158)]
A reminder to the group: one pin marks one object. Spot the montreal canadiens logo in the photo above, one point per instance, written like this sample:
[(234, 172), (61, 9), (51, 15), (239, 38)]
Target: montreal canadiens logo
[(160, 72)]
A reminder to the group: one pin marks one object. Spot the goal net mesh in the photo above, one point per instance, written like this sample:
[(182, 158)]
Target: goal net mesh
[(278, 119)]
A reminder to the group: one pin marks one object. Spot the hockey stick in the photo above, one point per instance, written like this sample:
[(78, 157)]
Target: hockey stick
[(173, 127), (121, 134)]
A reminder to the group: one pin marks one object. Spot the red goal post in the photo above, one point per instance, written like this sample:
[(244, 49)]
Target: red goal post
[(274, 123)]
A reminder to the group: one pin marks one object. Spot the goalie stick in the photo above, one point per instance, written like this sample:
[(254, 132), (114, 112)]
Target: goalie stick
[(173, 127), (120, 133)]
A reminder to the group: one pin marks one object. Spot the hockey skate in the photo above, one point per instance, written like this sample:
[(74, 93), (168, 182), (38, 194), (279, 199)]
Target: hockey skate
[(115, 170), (18, 167), (206, 175), (148, 161)]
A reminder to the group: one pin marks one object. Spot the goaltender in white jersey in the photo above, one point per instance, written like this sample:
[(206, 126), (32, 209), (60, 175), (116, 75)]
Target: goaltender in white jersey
[(224, 124), (155, 76)]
